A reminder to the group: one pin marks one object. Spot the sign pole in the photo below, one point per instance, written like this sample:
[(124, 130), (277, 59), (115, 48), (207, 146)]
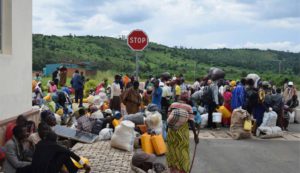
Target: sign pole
[(137, 65)]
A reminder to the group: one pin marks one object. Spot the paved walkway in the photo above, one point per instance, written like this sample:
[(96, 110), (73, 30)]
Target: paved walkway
[(104, 158), (225, 134)]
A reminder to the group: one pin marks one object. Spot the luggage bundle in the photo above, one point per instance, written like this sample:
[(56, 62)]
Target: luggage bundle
[(238, 128), (216, 73), (123, 137), (268, 128)]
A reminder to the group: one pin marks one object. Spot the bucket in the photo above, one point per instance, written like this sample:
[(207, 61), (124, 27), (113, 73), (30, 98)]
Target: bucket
[(217, 117)]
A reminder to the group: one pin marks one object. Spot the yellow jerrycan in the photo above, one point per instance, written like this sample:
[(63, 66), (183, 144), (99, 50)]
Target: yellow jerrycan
[(146, 143), (224, 111), (116, 122), (158, 144)]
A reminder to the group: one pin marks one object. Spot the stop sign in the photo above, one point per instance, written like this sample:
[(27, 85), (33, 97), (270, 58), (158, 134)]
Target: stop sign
[(137, 40)]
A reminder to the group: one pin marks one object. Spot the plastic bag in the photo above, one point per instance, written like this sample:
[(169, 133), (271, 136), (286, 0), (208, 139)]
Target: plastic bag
[(106, 134), (123, 138)]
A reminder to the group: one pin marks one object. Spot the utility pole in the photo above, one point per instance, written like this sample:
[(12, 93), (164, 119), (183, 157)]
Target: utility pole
[(195, 71), (279, 65)]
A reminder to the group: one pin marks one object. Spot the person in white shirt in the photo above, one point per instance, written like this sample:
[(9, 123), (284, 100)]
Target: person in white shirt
[(115, 103)]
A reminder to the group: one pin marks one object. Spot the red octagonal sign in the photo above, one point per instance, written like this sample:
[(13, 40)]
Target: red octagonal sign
[(137, 40)]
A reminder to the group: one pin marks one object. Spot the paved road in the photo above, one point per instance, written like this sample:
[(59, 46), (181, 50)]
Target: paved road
[(247, 156)]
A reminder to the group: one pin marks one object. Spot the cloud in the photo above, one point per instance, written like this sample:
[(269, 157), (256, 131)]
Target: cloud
[(284, 46), (188, 23)]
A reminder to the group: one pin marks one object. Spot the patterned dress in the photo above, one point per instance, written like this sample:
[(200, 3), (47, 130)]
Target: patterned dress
[(178, 157)]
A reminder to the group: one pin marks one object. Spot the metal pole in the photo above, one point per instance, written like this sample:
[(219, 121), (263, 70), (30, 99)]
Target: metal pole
[(136, 65)]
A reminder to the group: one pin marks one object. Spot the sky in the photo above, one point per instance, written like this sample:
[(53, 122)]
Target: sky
[(263, 24)]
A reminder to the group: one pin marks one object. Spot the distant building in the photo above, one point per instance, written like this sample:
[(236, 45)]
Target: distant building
[(86, 68)]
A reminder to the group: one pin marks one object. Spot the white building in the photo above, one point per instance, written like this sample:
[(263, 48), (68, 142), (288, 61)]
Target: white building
[(15, 57)]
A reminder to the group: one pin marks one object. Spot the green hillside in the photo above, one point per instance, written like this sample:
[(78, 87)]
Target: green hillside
[(113, 54)]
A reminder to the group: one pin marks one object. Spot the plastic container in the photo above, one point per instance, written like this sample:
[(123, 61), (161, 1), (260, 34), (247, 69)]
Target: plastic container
[(116, 122), (78, 165), (158, 144), (146, 143), (217, 117), (225, 112)]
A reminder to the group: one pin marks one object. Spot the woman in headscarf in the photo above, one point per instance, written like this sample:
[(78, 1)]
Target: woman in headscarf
[(38, 94), (180, 117), (132, 99)]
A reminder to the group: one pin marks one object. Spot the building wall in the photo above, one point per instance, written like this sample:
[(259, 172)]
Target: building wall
[(16, 59)]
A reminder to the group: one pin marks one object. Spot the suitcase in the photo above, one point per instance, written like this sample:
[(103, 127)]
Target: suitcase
[(146, 143), (158, 144)]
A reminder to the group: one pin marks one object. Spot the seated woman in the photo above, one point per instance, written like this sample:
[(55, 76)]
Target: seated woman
[(16, 160), (49, 157)]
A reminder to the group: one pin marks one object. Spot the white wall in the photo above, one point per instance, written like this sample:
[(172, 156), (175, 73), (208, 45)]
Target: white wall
[(16, 64)]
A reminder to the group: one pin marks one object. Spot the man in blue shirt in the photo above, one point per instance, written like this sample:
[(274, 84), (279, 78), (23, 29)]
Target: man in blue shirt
[(78, 84), (157, 94)]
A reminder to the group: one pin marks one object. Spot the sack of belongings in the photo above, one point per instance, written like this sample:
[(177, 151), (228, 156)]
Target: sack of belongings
[(204, 120), (291, 116), (268, 128), (106, 134), (237, 124), (137, 119), (255, 78), (146, 163), (123, 138), (97, 127), (154, 122), (216, 73), (97, 115)]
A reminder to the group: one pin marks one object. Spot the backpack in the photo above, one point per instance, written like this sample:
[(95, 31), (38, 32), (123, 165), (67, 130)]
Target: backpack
[(97, 127), (207, 97)]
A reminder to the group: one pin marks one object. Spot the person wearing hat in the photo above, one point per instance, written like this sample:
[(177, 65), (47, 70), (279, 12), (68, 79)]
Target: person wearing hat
[(289, 92), (180, 117), (132, 99)]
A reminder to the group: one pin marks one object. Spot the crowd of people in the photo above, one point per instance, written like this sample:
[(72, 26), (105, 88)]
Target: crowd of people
[(176, 105)]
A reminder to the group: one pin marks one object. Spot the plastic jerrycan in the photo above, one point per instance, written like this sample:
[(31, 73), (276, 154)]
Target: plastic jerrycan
[(146, 143), (225, 112), (158, 144), (116, 122)]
